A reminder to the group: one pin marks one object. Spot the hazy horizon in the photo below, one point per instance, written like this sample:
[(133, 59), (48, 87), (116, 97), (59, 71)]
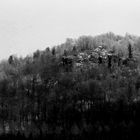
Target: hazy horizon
[(28, 25)]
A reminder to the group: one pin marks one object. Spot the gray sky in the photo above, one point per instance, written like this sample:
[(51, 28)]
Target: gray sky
[(27, 25)]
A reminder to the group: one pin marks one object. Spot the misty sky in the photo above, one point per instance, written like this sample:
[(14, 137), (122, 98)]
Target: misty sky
[(28, 25)]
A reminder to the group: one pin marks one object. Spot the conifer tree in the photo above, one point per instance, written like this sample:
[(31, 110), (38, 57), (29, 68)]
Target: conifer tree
[(130, 55)]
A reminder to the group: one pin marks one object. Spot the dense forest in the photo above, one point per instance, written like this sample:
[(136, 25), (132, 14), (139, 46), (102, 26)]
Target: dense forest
[(84, 88)]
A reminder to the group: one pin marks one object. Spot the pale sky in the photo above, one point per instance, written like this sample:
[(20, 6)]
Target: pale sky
[(28, 25)]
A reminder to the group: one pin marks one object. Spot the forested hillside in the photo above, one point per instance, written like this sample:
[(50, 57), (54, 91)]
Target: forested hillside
[(84, 87)]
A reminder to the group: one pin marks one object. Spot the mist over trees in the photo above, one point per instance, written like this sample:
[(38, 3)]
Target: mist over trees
[(68, 91)]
